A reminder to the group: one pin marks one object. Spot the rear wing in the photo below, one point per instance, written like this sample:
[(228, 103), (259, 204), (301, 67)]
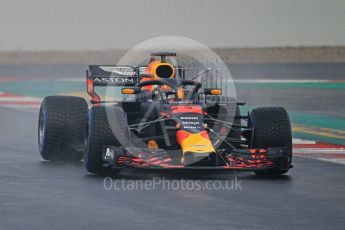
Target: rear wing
[(107, 75), (110, 75)]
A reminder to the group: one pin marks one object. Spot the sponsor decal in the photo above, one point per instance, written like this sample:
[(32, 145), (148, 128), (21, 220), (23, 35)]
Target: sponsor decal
[(193, 123), (116, 70), (103, 81), (142, 70)]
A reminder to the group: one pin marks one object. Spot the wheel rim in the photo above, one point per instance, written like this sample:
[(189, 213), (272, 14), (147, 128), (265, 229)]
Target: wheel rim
[(41, 130), (86, 138)]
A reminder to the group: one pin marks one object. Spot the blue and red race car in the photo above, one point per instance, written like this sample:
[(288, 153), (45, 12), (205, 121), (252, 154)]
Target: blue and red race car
[(164, 120)]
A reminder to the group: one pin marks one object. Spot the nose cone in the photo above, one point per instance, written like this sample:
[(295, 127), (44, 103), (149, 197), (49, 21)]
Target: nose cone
[(195, 146)]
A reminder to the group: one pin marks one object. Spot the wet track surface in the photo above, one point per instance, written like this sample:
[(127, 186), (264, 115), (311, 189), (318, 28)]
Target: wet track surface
[(35, 194)]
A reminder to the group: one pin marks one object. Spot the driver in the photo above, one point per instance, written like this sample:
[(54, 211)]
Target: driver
[(152, 88)]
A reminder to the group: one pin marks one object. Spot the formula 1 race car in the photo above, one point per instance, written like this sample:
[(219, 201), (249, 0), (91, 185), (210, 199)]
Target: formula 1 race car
[(164, 120)]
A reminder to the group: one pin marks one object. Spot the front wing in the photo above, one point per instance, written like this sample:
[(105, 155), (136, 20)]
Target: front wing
[(159, 159)]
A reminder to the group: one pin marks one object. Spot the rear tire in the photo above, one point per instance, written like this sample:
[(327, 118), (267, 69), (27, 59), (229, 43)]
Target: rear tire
[(102, 122), (272, 128), (61, 125)]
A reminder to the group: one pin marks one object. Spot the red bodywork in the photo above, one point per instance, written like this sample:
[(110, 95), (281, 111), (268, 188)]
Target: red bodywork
[(257, 159)]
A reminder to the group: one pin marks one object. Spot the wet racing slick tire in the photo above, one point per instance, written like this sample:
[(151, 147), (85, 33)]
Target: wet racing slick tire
[(102, 121), (272, 128), (61, 125)]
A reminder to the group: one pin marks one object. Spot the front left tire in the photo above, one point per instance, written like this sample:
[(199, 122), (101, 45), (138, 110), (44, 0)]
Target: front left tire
[(271, 128), (61, 125)]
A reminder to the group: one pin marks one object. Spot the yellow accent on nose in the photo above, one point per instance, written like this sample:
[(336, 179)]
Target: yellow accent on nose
[(195, 143)]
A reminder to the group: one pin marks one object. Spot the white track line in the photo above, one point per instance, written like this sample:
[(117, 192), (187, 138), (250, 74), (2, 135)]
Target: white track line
[(318, 150), (300, 141), (333, 160), (16, 99)]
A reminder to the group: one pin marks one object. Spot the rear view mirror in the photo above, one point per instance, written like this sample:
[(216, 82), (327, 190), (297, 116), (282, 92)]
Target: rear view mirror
[(212, 91), (130, 90)]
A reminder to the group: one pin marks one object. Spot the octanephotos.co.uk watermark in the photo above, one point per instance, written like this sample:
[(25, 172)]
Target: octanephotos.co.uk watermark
[(156, 183)]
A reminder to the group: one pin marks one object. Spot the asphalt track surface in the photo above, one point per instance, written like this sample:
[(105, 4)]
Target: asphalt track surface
[(36, 194)]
